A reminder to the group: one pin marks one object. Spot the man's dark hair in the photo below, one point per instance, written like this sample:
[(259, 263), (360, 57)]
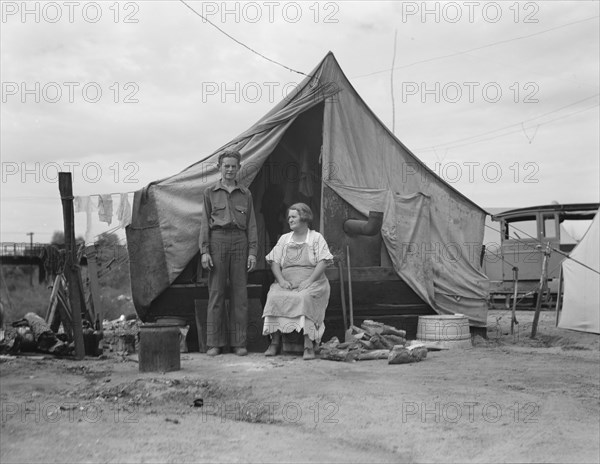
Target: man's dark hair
[(230, 154)]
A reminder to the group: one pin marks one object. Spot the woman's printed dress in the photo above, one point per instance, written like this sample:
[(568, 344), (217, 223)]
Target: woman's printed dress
[(289, 310)]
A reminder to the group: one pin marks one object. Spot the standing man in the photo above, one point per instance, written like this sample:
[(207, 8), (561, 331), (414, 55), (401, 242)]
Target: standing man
[(228, 244)]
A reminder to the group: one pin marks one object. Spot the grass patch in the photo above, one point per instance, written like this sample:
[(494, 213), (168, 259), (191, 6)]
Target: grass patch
[(21, 293)]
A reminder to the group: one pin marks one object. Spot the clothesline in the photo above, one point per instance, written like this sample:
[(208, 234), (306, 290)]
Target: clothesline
[(113, 193), (104, 208)]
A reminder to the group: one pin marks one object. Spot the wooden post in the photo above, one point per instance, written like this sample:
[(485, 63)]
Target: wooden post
[(543, 282), (513, 319), (90, 252), (65, 186), (30, 254), (558, 295)]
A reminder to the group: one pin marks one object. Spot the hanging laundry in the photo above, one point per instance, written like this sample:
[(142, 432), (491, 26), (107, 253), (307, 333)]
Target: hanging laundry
[(85, 204), (105, 209), (124, 211), (80, 204)]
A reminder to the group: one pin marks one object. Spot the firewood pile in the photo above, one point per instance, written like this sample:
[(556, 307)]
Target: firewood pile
[(374, 340)]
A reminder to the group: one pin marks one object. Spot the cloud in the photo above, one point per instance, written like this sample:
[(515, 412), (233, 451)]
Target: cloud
[(165, 61)]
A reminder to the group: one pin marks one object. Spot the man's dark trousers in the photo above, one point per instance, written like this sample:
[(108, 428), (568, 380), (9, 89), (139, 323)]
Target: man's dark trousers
[(229, 251)]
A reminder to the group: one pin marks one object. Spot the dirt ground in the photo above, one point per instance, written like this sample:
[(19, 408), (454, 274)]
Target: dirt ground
[(507, 399)]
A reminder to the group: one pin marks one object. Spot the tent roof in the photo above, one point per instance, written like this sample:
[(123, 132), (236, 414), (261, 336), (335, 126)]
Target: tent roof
[(329, 61), (334, 62), (369, 158)]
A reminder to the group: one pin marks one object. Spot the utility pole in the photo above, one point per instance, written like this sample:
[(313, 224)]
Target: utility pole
[(31, 267)]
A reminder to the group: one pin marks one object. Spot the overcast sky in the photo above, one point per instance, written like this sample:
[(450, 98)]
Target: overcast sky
[(500, 98)]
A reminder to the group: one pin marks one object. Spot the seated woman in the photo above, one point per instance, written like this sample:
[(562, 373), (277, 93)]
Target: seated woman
[(299, 296)]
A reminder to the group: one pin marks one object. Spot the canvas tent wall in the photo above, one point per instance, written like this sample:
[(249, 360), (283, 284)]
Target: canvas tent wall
[(433, 234), (581, 300)]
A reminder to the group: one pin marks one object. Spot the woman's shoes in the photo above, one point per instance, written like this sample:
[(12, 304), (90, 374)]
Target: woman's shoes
[(273, 349), (309, 353), (309, 349), (275, 346)]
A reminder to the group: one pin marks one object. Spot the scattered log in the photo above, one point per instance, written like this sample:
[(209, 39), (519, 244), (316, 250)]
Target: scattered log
[(331, 351), (378, 328), (381, 343), (334, 341), (409, 354), (353, 345), (389, 330), (373, 354), (335, 354), (366, 345), (372, 328), (395, 339), (357, 332)]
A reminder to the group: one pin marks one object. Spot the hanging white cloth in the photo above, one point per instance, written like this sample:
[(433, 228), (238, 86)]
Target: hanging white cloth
[(124, 211), (85, 204), (105, 208)]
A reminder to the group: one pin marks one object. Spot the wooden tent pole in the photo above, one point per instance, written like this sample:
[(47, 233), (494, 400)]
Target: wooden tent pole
[(65, 186), (342, 294), (350, 287)]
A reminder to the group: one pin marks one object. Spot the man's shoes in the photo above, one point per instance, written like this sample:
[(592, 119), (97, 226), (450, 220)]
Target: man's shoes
[(214, 351), (309, 353), (273, 349), (240, 351)]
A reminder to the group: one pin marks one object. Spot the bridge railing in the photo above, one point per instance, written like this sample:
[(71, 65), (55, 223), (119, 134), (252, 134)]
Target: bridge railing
[(21, 249)]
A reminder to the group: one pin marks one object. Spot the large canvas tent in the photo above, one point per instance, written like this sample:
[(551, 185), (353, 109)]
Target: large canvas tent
[(581, 276), (324, 146)]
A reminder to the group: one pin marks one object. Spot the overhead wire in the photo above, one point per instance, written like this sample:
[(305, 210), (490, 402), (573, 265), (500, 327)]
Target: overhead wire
[(241, 43), (493, 44), (392, 84), (518, 127), (540, 243)]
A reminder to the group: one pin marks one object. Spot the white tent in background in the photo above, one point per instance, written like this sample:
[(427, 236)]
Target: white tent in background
[(581, 303)]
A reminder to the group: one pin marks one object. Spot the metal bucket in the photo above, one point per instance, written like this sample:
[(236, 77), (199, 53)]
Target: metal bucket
[(180, 322), (159, 348), (443, 328)]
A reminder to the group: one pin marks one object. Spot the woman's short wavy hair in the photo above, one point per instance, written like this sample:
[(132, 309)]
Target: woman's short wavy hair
[(304, 211)]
